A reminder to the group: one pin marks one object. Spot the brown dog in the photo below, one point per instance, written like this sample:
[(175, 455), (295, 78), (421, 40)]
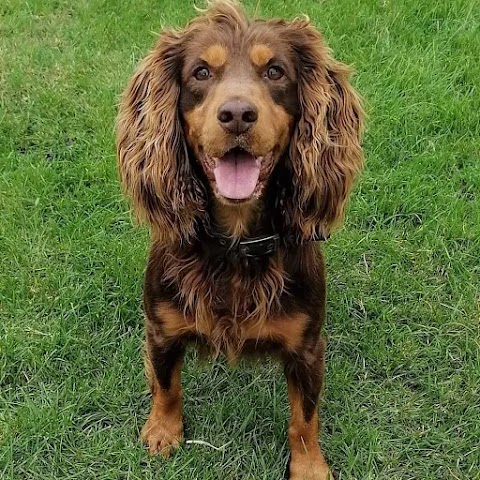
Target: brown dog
[(239, 141)]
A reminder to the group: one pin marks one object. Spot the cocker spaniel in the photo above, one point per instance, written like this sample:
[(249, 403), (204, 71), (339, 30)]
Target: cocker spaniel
[(238, 142)]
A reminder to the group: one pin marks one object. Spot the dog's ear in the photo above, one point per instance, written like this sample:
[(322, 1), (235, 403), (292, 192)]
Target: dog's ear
[(152, 153), (325, 151)]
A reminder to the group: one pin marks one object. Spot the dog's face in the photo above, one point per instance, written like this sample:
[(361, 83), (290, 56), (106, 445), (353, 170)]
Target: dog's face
[(238, 103), (239, 97)]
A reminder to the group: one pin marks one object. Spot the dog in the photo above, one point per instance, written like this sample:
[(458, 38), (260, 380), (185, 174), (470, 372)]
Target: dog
[(238, 142)]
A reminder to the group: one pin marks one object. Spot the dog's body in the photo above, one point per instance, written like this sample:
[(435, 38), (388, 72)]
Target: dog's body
[(239, 141)]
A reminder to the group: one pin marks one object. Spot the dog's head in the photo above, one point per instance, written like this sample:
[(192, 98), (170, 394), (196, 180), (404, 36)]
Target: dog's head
[(234, 98)]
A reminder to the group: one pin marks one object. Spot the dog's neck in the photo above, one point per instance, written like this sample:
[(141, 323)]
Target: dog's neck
[(239, 220)]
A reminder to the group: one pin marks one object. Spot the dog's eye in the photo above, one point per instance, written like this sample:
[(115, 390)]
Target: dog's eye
[(274, 73), (202, 73)]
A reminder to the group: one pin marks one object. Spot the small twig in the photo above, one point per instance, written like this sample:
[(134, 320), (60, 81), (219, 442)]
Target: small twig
[(206, 444)]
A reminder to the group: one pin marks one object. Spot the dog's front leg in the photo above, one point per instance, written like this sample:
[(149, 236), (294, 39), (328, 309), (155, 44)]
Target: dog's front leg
[(163, 430), (304, 374)]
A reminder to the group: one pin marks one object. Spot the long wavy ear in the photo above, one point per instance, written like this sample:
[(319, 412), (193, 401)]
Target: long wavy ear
[(325, 151), (152, 153)]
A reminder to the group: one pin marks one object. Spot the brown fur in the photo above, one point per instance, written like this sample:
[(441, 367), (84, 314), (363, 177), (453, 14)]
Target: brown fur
[(198, 289), (285, 330), (307, 461), (235, 220), (202, 127), (308, 135), (164, 428)]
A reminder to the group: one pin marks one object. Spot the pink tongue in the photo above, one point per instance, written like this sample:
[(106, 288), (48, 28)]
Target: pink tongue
[(236, 175)]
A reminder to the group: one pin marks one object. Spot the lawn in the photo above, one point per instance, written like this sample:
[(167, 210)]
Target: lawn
[(402, 399)]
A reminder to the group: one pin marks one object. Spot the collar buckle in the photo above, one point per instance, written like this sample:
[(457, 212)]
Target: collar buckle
[(259, 246)]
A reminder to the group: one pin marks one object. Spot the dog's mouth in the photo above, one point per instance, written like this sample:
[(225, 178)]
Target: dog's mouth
[(238, 174)]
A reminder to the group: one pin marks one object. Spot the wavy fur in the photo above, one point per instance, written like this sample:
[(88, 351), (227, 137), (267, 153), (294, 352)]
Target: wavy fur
[(151, 149), (325, 150), (306, 140)]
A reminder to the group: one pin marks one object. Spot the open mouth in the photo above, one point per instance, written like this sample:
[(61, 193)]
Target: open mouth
[(237, 174)]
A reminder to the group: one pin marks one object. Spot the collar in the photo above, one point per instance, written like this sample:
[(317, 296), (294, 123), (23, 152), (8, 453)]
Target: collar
[(253, 247)]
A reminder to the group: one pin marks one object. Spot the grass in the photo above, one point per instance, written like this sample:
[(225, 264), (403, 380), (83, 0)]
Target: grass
[(402, 399)]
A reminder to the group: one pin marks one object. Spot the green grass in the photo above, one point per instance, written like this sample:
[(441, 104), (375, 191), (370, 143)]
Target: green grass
[(402, 399)]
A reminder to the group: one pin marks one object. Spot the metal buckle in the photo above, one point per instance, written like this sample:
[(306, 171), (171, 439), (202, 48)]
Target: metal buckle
[(259, 246)]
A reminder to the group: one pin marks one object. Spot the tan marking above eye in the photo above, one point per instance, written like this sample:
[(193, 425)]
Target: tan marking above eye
[(215, 55), (261, 54)]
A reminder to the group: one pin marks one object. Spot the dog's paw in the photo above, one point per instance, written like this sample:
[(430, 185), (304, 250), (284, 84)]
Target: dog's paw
[(162, 435), (309, 469), (315, 474)]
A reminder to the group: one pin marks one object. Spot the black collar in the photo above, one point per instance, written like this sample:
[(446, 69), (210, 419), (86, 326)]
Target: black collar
[(253, 247)]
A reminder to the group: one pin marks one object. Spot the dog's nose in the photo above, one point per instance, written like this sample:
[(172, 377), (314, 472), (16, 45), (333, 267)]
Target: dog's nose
[(237, 116)]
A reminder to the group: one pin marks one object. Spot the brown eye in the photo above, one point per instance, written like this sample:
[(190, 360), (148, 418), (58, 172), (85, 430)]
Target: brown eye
[(274, 73), (202, 73)]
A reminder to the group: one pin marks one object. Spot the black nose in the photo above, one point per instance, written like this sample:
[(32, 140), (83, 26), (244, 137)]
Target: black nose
[(237, 116)]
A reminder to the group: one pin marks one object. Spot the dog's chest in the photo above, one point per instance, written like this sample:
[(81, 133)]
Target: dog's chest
[(228, 306), (233, 292)]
